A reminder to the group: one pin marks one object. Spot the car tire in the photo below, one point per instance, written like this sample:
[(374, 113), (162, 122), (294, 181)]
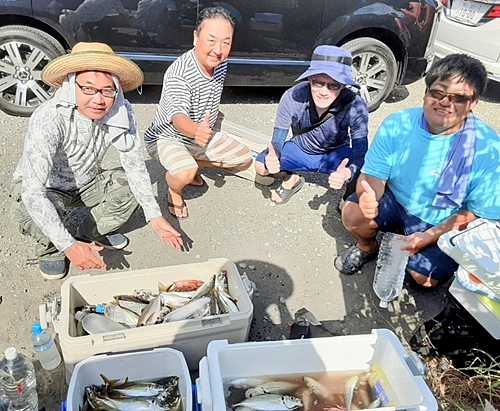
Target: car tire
[(374, 68), (24, 52)]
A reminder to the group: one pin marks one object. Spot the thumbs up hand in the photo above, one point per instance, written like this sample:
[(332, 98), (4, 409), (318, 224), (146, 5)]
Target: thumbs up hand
[(203, 131), (272, 160), (367, 201), (340, 175)]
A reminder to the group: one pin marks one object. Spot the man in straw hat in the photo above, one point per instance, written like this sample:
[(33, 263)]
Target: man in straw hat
[(329, 124), (182, 135), (60, 167)]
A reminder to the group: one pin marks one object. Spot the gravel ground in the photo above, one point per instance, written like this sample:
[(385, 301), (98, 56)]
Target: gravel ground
[(287, 250)]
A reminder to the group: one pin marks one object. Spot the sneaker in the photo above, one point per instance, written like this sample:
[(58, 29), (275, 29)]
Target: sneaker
[(351, 260), (53, 269), (115, 241)]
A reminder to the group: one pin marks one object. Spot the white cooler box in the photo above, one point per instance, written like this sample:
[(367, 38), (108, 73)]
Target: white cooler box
[(142, 365), (255, 141), (191, 337), (403, 371)]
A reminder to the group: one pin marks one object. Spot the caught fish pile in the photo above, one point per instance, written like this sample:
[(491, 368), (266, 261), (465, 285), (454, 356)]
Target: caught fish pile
[(159, 395), (181, 300), (301, 393)]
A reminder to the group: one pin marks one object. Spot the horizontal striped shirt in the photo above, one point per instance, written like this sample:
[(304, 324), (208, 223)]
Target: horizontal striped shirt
[(186, 90)]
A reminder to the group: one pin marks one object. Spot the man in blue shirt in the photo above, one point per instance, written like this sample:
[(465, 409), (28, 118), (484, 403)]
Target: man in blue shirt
[(428, 171), (329, 123)]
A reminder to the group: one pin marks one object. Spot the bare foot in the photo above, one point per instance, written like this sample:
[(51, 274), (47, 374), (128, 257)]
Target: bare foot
[(176, 205)]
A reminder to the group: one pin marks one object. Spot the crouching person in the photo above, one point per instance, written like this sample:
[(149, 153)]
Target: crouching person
[(60, 166)]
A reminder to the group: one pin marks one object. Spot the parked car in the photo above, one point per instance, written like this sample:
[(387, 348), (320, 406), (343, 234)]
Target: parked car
[(472, 27), (391, 40)]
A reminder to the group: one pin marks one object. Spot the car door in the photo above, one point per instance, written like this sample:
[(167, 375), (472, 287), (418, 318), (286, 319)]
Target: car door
[(151, 32), (273, 39)]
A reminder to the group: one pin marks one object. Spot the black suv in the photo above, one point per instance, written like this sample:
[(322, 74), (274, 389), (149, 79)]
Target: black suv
[(391, 40)]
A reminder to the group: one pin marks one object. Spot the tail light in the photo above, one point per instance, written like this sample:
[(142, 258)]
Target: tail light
[(494, 12), (445, 2)]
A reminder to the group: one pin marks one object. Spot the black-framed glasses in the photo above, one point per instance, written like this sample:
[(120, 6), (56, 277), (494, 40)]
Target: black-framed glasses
[(92, 91), (331, 86), (453, 98)]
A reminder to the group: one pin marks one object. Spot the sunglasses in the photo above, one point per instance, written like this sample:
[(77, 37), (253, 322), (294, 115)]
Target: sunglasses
[(331, 86), (92, 91), (453, 98)]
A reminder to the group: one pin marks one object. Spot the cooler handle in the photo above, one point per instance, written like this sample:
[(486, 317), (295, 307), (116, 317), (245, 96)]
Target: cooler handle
[(203, 390)]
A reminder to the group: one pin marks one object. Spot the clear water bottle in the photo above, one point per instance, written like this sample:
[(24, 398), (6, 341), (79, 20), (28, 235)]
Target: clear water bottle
[(390, 270), (94, 323), (18, 381), (117, 313), (45, 348)]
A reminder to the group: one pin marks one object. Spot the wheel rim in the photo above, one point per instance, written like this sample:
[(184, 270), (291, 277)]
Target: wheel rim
[(369, 70), (21, 84)]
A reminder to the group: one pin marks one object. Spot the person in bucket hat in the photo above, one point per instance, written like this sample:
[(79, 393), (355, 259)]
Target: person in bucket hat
[(60, 166), (328, 123)]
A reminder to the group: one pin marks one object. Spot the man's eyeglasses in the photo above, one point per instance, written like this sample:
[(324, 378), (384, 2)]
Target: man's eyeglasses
[(331, 86), (453, 98), (92, 91)]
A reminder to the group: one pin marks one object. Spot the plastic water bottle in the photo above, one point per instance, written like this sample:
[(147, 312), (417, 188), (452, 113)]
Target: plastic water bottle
[(116, 313), (45, 348), (390, 270), (18, 381), (94, 323)]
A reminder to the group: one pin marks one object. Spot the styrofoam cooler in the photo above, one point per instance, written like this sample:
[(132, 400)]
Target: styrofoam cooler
[(141, 365), (191, 337), (255, 141), (403, 371)]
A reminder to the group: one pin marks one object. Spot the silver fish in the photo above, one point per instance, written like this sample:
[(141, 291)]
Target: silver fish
[(103, 402), (375, 403), (205, 288), (271, 402), (221, 282), (247, 382), (140, 388), (131, 303), (226, 302), (271, 387), (187, 310), (172, 300), (150, 313)]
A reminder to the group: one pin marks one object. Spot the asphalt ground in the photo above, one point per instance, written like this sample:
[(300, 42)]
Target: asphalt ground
[(287, 250)]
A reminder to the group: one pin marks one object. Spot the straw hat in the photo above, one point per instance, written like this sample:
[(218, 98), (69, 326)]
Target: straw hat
[(93, 57)]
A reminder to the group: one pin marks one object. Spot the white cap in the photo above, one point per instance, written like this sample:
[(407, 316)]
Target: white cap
[(11, 353)]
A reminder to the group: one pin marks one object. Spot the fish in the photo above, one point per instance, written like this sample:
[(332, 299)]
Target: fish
[(140, 388), (350, 385), (187, 310), (131, 303), (271, 402), (221, 282), (321, 391), (226, 302), (185, 285), (271, 387), (205, 288), (172, 300), (375, 403), (150, 313), (247, 382)]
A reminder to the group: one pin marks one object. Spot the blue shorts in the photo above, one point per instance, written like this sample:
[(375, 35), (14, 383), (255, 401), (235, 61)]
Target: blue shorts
[(429, 261), (294, 159)]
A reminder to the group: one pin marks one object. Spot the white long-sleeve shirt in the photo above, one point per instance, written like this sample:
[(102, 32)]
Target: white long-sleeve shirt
[(64, 152)]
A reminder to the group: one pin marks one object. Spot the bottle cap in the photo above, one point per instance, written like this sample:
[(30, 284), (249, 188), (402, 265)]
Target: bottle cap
[(383, 304), (99, 308), (11, 353), (36, 328)]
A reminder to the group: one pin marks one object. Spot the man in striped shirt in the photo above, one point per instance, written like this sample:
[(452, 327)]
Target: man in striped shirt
[(182, 135)]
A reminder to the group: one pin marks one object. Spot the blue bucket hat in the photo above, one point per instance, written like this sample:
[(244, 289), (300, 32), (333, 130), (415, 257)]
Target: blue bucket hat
[(333, 61)]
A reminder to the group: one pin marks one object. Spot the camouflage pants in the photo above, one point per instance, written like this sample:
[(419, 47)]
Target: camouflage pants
[(108, 195)]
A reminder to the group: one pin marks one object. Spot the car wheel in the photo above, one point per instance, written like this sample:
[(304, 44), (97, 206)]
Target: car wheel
[(24, 52), (374, 68)]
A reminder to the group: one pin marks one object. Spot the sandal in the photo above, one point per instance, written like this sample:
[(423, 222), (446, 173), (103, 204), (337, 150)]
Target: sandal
[(351, 260), (285, 194), (197, 181), (180, 207)]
